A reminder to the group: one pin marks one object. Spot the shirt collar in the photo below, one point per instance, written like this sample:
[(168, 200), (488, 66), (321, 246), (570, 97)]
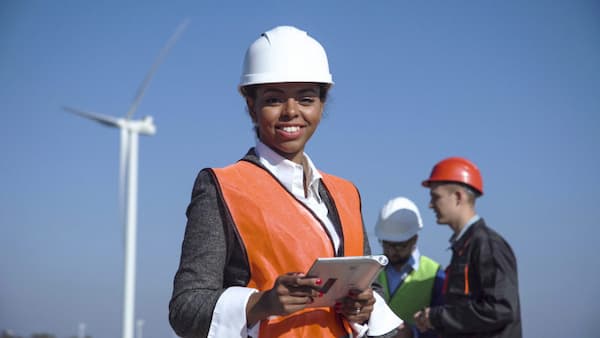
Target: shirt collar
[(289, 173), (456, 237), (412, 264), (414, 260)]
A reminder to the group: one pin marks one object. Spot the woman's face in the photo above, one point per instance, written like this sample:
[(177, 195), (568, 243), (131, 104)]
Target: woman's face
[(286, 116)]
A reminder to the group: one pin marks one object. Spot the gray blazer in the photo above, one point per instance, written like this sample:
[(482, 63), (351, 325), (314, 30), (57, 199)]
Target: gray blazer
[(213, 256)]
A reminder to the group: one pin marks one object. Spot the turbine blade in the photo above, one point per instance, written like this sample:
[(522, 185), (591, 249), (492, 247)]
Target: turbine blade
[(163, 53), (103, 119), (123, 167)]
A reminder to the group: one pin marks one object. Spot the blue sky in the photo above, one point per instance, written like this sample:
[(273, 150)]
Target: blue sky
[(512, 85)]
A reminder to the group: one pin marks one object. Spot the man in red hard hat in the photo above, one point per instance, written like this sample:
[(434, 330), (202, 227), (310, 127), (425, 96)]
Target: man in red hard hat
[(481, 293)]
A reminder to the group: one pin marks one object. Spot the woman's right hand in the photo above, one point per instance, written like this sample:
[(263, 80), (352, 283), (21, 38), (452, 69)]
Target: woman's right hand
[(292, 292)]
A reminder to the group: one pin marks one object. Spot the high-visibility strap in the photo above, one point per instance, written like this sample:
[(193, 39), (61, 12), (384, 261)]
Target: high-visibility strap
[(467, 279), (467, 287)]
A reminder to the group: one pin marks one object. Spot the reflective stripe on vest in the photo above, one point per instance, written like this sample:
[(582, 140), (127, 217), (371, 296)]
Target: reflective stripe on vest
[(415, 292), (281, 235)]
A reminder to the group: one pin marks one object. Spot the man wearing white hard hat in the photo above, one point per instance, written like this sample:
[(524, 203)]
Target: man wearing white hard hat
[(411, 281)]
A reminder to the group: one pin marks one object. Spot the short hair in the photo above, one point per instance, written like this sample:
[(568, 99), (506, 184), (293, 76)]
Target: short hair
[(472, 193)]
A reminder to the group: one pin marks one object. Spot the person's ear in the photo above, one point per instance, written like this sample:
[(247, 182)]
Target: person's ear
[(414, 240), (459, 195), (250, 106)]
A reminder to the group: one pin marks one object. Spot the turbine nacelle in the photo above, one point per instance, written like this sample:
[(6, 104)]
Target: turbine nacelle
[(144, 126)]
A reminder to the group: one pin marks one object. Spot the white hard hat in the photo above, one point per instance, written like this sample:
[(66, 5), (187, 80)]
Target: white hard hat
[(285, 54), (398, 221)]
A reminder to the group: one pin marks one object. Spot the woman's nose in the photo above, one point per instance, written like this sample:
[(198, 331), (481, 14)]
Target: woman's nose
[(291, 106)]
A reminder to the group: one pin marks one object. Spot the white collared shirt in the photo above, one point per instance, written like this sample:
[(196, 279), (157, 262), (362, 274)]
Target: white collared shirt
[(291, 175)]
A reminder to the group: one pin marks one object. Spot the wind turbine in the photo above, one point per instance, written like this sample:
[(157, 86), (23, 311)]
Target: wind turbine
[(128, 176), (81, 330), (139, 324)]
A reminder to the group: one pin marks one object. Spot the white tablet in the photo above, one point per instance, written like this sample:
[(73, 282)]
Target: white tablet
[(341, 274)]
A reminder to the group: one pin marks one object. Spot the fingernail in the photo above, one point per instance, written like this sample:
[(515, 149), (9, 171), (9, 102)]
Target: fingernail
[(320, 294), (319, 281)]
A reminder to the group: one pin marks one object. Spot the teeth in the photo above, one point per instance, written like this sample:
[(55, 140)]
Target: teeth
[(291, 129)]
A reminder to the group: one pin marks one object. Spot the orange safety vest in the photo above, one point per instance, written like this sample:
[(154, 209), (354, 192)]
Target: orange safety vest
[(282, 235)]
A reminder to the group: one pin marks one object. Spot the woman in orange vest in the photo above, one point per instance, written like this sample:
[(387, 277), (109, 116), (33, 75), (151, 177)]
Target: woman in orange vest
[(256, 226)]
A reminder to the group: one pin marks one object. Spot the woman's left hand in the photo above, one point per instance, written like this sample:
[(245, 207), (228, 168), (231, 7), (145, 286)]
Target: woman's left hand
[(356, 306)]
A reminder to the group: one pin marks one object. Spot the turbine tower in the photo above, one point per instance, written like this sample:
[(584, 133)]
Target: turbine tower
[(81, 330), (140, 325), (130, 129)]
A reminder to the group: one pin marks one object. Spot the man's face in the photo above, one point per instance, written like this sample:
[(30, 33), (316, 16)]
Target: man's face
[(443, 201), (399, 252)]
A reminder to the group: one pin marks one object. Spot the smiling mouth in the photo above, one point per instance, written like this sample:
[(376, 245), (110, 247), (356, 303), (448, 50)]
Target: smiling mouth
[(290, 129), (289, 133)]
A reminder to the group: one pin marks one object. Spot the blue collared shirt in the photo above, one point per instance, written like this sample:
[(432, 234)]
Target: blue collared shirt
[(456, 237), (396, 278)]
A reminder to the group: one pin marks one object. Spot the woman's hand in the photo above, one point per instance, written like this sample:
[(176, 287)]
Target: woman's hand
[(357, 305), (292, 292)]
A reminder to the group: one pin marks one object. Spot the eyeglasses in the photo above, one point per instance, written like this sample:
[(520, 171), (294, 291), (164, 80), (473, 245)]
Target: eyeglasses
[(396, 245)]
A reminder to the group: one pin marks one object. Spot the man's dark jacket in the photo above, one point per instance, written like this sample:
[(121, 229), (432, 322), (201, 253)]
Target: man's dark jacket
[(481, 292)]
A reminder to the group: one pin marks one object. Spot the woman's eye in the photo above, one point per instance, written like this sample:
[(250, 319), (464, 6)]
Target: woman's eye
[(308, 100), (272, 101)]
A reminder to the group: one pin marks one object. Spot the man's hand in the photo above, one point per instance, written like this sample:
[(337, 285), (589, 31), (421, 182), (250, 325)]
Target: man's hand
[(404, 331), (422, 321)]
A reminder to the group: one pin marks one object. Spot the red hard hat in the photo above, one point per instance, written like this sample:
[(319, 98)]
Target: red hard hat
[(456, 169)]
